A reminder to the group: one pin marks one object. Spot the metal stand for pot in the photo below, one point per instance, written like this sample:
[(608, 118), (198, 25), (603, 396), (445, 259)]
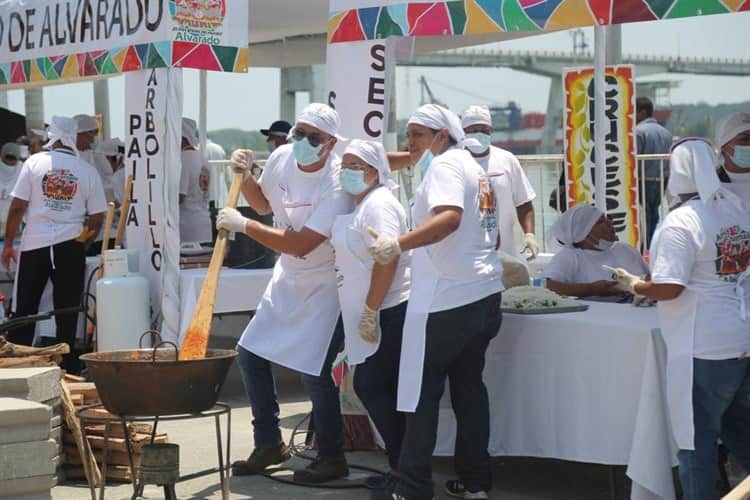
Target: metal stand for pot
[(86, 416)]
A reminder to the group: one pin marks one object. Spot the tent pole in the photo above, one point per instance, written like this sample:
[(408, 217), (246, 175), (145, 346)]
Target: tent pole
[(101, 104), (203, 109), (600, 117)]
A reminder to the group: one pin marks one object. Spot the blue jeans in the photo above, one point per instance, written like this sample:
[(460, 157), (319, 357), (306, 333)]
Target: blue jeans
[(721, 410), (261, 391), (455, 346), (376, 382)]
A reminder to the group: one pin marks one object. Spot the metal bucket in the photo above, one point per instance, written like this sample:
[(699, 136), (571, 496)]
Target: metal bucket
[(160, 464), (153, 382)]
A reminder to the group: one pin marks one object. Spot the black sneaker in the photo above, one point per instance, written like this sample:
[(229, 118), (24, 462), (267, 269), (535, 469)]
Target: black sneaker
[(379, 481), (456, 489)]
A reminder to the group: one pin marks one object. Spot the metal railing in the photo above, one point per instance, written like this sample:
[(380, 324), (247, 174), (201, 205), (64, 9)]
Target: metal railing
[(543, 172)]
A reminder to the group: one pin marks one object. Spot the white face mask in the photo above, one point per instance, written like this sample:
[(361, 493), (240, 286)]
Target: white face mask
[(483, 142)]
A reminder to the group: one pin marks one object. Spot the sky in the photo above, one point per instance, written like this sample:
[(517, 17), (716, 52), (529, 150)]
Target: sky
[(251, 101)]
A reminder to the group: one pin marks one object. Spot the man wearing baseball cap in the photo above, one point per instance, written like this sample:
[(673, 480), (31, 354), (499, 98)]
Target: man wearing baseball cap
[(277, 134), (733, 141), (513, 190)]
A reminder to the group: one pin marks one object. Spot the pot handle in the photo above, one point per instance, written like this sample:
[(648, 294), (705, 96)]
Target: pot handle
[(152, 332), (165, 342)]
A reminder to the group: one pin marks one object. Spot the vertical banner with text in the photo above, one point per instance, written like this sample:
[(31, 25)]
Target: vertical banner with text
[(357, 86), (153, 113), (620, 163)]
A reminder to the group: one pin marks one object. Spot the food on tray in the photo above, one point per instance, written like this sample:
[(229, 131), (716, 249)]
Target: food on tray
[(532, 297)]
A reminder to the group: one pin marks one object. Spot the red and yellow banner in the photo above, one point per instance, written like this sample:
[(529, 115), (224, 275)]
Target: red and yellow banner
[(621, 169)]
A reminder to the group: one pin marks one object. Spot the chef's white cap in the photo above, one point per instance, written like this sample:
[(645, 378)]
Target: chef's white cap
[(86, 123), (437, 117), (322, 117), (730, 127), (476, 115)]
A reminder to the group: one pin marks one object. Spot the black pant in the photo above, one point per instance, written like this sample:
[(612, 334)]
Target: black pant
[(376, 382), (456, 343), (66, 272), (96, 248)]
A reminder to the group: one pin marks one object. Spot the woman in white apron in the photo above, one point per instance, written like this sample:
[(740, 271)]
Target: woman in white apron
[(372, 296), (454, 306), (700, 260), (297, 321), (583, 240)]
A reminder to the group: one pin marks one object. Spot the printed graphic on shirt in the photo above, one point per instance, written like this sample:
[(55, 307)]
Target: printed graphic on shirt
[(59, 187), (204, 180), (487, 204), (732, 252), (5, 194)]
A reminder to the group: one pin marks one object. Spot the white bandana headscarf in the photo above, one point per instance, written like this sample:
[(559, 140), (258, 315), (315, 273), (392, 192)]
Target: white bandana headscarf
[(573, 226), (322, 117), (86, 123), (692, 169), (373, 154), (476, 115), (63, 129), (190, 131), (437, 118)]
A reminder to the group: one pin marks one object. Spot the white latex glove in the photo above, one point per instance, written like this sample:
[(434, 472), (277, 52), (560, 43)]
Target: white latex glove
[(368, 325), (230, 220), (626, 280), (242, 161), (529, 242), (383, 249)]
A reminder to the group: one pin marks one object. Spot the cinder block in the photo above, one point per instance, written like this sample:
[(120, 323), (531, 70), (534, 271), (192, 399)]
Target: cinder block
[(15, 411), (55, 404), (21, 488), (19, 460), (33, 384), (55, 421), (24, 433)]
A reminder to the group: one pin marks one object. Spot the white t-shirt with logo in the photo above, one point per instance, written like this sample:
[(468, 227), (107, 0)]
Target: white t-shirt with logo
[(706, 249), (305, 199), (512, 189), (576, 265), (195, 220), (381, 211), (61, 190), (468, 266)]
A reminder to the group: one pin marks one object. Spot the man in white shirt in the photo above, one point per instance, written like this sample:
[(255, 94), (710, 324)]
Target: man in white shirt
[(56, 193), (195, 179), (733, 141), (512, 188), (297, 323)]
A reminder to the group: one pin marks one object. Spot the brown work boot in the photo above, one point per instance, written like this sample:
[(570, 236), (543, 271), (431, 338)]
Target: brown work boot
[(322, 470), (260, 460)]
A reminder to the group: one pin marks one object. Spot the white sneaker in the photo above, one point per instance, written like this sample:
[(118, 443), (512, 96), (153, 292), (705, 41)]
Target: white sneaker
[(456, 489)]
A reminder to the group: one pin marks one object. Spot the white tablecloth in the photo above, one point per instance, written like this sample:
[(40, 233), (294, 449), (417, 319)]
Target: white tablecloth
[(577, 386), (238, 290)]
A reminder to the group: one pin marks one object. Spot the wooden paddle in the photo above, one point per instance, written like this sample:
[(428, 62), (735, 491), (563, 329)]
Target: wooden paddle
[(124, 211), (105, 247), (196, 337)]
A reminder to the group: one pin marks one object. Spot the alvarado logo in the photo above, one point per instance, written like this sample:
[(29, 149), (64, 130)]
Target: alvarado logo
[(199, 14)]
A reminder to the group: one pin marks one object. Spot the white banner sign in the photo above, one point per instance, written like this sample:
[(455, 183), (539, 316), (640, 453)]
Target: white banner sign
[(44, 28), (357, 77), (153, 104)]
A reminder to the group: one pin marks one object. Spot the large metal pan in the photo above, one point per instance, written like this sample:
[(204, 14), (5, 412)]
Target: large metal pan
[(152, 382)]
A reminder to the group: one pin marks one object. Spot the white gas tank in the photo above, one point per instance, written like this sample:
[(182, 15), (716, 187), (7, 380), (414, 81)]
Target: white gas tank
[(122, 305)]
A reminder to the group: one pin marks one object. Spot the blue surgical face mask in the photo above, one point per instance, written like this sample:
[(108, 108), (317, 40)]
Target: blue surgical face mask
[(741, 156), (485, 140), (353, 181), (424, 161), (94, 143), (603, 245), (304, 153)]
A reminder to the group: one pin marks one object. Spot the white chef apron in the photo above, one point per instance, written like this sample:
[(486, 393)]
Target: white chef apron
[(424, 279), (295, 320), (353, 278)]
